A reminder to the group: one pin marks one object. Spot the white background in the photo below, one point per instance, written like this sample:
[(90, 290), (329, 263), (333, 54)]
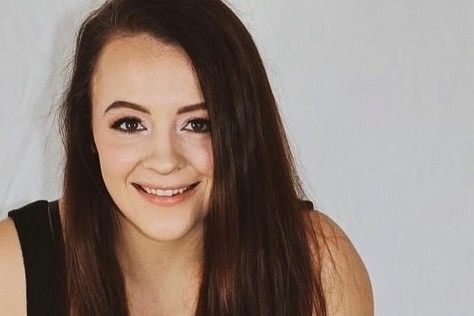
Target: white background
[(378, 99)]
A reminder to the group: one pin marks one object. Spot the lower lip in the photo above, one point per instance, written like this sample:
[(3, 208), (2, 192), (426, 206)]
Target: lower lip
[(167, 201)]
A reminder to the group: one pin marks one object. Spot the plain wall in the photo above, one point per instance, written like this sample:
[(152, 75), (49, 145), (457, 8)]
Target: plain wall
[(377, 97)]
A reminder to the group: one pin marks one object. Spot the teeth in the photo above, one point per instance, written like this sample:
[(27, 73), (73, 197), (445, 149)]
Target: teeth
[(167, 193)]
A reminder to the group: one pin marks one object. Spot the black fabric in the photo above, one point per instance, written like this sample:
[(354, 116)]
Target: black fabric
[(305, 205), (39, 231)]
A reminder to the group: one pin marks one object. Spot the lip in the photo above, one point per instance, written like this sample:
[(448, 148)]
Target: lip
[(166, 201)]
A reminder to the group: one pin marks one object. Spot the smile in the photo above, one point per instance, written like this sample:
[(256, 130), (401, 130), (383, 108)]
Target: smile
[(166, 192)]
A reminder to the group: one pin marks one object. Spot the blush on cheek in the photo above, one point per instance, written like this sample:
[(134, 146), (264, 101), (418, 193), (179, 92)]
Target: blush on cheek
[(201, 157), (115, 157)]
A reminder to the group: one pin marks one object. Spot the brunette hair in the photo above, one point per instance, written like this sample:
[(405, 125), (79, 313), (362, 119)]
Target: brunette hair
[(258, 257)]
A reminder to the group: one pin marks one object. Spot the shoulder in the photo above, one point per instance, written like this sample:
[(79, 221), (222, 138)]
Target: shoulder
[(345, 280), (12, 273)]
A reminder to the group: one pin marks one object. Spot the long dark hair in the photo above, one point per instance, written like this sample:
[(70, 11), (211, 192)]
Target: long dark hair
[(258, 256)]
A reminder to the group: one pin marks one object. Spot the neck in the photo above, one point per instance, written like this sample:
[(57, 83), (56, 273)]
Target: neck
[(161, 277), (147, 261)]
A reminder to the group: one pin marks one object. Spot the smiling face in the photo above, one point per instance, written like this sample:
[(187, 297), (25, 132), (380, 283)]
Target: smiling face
[(152, 134)]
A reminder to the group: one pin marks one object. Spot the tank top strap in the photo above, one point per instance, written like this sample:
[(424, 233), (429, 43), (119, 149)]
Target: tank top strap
[(39, 231)]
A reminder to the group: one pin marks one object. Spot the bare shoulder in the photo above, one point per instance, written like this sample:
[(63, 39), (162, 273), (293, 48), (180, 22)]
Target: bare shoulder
[(12, 272), (345, 279)]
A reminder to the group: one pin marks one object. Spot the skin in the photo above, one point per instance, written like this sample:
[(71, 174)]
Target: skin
[(154, 144), (166, 144), (12, 271), (345, 279)]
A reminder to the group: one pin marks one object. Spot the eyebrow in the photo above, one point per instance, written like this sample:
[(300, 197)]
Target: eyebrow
[(127, 105), (191, 108), (138, 107)]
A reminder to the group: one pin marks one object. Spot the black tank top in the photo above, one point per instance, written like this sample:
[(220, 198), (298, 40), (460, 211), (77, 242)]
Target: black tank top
[(39, 231)]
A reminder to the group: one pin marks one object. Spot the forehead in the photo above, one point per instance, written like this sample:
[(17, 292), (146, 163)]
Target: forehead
[(121, 47), (142, 69)]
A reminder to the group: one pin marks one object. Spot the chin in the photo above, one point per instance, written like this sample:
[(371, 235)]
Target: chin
[(163, 224), (174, 233)]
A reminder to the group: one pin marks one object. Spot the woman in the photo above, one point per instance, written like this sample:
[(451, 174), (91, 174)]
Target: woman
[(180, 194)]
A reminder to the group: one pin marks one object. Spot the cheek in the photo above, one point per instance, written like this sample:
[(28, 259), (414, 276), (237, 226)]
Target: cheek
[(116, 158), (200, 156)]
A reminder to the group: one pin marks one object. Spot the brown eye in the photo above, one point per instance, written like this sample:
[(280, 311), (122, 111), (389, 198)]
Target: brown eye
[(198, 126), (128, 125)]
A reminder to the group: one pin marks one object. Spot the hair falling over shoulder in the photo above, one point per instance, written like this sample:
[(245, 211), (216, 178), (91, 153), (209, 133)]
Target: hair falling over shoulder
[(259, 258)]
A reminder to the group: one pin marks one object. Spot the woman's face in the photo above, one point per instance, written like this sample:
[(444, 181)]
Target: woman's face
[(152, 135)]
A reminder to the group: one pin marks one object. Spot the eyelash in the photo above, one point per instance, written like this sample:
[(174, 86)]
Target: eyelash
[(134, 125), (137, 125), (202, 122)]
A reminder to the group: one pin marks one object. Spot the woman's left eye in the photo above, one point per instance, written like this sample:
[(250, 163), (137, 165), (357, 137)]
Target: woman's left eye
[(198, 126)]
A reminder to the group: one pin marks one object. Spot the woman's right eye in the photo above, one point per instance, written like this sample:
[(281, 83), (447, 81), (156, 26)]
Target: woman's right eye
[(128, 125)]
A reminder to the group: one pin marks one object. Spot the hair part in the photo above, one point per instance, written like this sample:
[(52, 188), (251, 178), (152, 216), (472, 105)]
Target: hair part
[(258, 258)]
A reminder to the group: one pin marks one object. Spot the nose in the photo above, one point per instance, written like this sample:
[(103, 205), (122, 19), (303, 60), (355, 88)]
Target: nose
[(163, 153)]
